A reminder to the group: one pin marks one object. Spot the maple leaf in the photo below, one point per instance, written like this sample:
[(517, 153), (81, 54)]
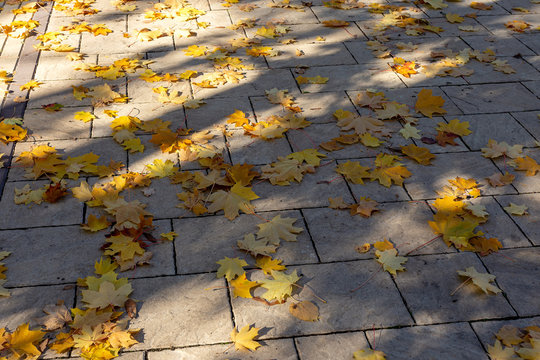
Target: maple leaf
[(231, 268), (284, 171), (390, 261), (267, 264), (387, 170), (417, 153), (360, 124), (383, 245), (231, 202), (454, 18), (57, 317), (84, 116), (124, 247), (31, 85), (243, 339), (310, 156), (369, 140), (23, 342), (405, 68), (509, 335), (477, 210), (427, 104), (280, 286), (256, 247), (517, 25), (242, 286), (353, 171), (365, 207), (482, 280), (455, 127), (527, 164), (514, 209), (408, 131), (497, 352), (369, 354), (108, 294), (238, 118), (454, 229), (11, 132), (485, 246), (304, 310), (337, 203), (161, 169), (392, 110), (532, 353), (133, 145), (499, 179), (495, 150), (95, 224), (278, 228)]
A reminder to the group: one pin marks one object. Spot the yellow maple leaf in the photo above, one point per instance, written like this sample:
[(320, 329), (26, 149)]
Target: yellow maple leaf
[(267, 264), (31, 85), (390, 260), (95, 224), (353, 171), (84, 116), (23, 342), (238, 118), (527, 164), (161, 169), (482, 280), (242, 286), (243, 339), (278, 228), (420, 154), (428, 104), (455, 127), (231, 202), (231, 268), (280, 286)]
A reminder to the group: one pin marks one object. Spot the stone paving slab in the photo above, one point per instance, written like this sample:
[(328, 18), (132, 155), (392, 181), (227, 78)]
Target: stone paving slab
[(45, 125), (245, 149), (522, 182), (528, 223), (215, 112), (334, 346), (271, 349), (429, 281), (185, 300), (519, 277), (446, 341), (486, 330), (313, 55), (426, 180), (337, 233), (200, 237), (333, 283)]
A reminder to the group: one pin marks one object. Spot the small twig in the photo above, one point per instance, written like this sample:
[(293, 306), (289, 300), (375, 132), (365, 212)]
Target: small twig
[(460, 286), (424, 244), (312, 291), (368, 279)]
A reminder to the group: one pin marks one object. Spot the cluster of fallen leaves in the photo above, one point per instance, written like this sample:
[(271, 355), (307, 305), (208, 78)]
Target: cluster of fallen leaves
[(511, 341), (98, 329)]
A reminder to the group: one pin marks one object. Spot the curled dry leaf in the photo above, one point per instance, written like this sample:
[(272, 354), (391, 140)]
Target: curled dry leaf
[(304, 310)]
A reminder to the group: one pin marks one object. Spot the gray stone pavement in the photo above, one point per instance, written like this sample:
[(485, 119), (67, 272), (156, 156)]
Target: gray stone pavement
[(184, 310)]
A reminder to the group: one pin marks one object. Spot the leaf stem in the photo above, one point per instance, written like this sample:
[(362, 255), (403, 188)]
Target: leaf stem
[(460, 286)]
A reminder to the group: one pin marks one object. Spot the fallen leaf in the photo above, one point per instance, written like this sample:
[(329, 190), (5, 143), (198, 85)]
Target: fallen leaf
[(243, 339), (427, 104), (482, 280), (517, 210), (304, 310), (231, 268)]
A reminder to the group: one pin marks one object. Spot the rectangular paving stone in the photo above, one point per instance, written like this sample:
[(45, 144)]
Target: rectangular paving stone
[(176, 61), (267, 13), (54, 68), (446, 341), (325, 13), (212, 36), (464, 8), (313, 191), (500, 225), (61, 92), (486, 330), (509, 4), (409, 97), (425, 47), (522, 182), (352, 77), (451, 30), (499, 127), (362, 53), (218, 232), (270, 349), (316, 134), (373, 189), (533, 86), (485, 73), (343, 311), (495, 24), (336, 233), (501, 45), (140, 91), (67, 211), (531, 41), (255, 83), (529, 120), (45, 125), (308, 34), (101, 125), (528, 223), (246, 149), (56, 254), (106, 149), (427, 180), (216, 111), (317, 108), (333, 346), (138, 161), (162, 203), (427, 128), (491, 98), (519, 279), (314, 55), (26, 304), (139, 355), (186, 300), (429, 280)]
